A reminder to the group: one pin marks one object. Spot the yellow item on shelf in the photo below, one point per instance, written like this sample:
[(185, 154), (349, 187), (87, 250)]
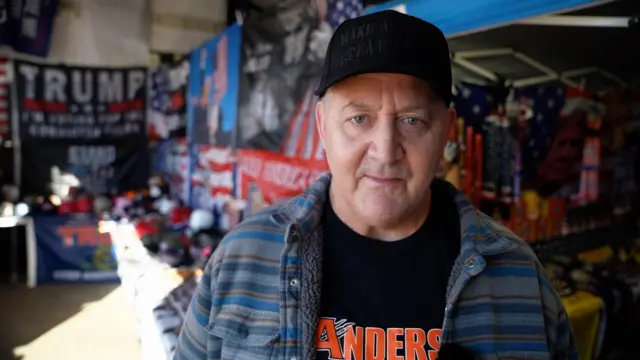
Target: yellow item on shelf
[(531, 204), (585, 311), (597, 256)]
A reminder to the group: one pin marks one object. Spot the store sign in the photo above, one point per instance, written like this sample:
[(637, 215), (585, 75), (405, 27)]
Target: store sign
[(68, 103), (71, 249)]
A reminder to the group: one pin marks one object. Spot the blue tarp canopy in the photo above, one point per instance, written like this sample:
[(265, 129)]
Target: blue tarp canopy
[(456, 17)]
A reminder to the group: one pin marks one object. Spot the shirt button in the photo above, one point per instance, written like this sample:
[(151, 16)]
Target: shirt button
[(293, 282), (471, 263)]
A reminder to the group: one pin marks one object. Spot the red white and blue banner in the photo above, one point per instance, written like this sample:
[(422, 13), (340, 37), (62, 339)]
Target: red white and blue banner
[(70, 249)]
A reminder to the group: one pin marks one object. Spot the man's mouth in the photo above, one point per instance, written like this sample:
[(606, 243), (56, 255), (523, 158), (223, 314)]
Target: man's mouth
[(384, 180)]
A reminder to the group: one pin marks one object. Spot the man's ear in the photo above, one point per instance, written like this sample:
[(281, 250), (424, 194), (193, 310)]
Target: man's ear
[(320, 114)]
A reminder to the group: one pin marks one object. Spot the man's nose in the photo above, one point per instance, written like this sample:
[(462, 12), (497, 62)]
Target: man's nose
[(386, 145)]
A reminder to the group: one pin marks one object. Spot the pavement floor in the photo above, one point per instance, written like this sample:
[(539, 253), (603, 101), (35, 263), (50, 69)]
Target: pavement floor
[(70, 322)]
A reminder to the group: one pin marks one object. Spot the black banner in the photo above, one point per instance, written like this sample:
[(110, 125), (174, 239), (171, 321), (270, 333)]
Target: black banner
[(283, 47), (99, 169), (80, 103)]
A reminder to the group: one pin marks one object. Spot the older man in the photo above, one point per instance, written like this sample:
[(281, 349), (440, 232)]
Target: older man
[(379, 260)]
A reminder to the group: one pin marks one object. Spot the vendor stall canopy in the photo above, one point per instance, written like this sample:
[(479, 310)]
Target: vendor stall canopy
[(574, 42)]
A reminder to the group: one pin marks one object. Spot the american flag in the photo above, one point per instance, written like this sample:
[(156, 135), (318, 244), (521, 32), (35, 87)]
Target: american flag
[(5, 123), (302, 139), (218, 161), (341, 10), (475, 102), (546, 103)]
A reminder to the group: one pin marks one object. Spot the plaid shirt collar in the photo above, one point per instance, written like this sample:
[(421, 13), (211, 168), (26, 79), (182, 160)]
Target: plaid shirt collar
[(480, 235)]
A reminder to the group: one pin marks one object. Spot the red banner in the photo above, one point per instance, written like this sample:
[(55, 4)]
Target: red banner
[(265, 178)]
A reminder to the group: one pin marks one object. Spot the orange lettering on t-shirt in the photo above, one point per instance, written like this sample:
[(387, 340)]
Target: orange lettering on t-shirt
[(415, 340), (354, 343), (433, 339), (375, 344), (332, 344), (393, 344)]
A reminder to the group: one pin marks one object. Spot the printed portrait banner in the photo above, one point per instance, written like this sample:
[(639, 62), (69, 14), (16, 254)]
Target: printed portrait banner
[(57, 102), (26, 25), (99, 169), (266, 178), (213, 89), (283, 49), (71, 249), (167, 110)]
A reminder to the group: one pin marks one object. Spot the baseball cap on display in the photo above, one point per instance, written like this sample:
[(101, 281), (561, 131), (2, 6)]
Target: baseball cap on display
[(388, 42)]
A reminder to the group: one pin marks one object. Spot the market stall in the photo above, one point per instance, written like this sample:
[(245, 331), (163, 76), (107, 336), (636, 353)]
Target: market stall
[(547, 139)]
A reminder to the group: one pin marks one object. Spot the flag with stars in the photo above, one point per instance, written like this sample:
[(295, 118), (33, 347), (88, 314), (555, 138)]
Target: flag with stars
[(546, 103), (473, 103), (340, 10)]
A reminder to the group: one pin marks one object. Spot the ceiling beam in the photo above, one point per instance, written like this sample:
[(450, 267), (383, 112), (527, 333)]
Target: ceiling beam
[(577, 20), (474, 68)]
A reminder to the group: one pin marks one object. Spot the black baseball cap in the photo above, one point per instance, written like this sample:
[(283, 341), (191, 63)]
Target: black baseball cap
[(388, 42)]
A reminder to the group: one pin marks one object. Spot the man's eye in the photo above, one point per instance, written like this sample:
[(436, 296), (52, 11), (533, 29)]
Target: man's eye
[(358, 120), (412, 121)]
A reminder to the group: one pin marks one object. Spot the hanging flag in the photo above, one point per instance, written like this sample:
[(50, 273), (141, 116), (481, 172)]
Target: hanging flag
[(27, 25)]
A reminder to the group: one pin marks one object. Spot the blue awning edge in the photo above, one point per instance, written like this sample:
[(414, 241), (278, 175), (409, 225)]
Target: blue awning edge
[(464, 16)]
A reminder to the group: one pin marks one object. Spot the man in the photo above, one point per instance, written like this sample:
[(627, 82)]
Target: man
[(377, 260)]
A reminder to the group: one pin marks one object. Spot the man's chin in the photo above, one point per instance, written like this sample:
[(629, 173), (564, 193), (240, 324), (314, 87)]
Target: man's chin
[(381, 213)]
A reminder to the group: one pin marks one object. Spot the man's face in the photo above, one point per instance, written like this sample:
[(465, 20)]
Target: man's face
[(384, 136)]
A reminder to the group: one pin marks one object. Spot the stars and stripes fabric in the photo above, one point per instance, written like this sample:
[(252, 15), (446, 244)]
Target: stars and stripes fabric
[(473, 103), (213, 178), (546, 103), (303, 140), (5, 95), (340, 10)]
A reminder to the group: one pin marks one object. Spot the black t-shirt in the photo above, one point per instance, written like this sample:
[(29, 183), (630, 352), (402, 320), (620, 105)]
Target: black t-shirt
[(387, 297)]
